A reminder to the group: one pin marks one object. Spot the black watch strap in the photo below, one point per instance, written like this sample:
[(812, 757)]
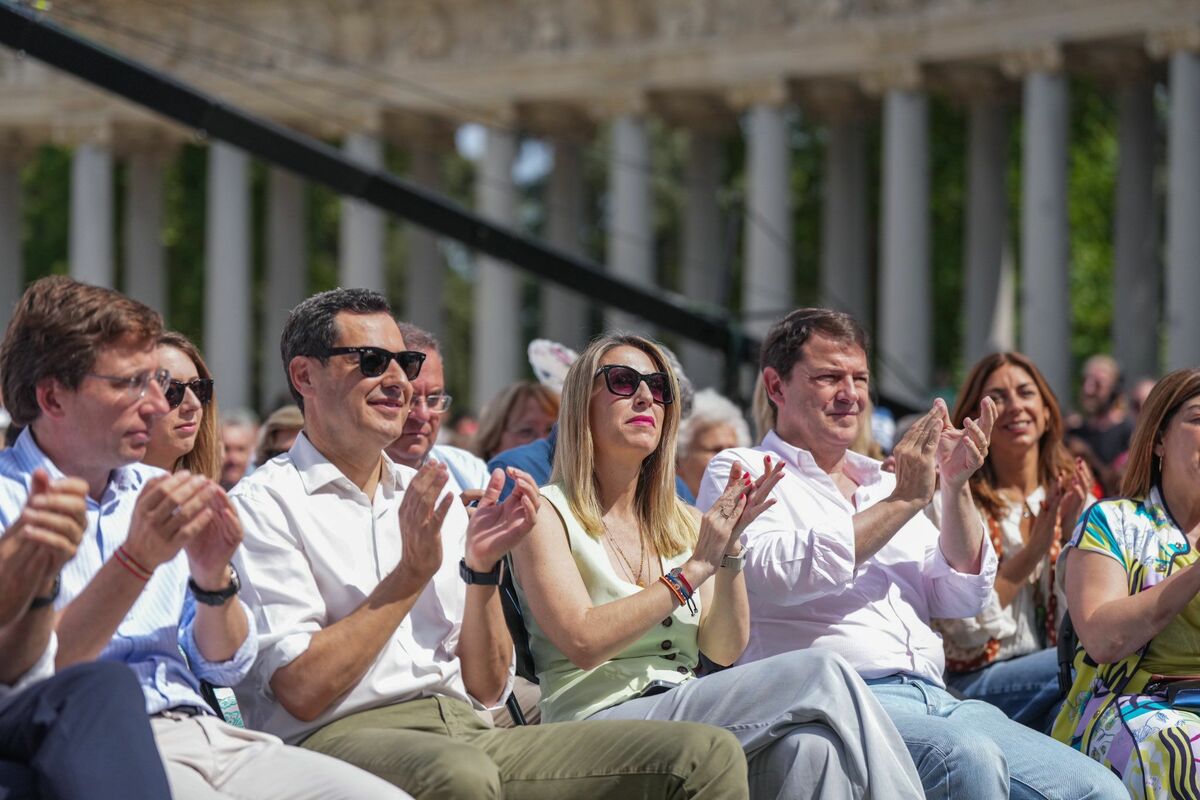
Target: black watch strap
[(470, 576), (219, 597), (46, 600)]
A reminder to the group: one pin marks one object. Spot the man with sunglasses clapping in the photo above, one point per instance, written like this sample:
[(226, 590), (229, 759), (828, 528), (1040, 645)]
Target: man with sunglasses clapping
[(380, 627)]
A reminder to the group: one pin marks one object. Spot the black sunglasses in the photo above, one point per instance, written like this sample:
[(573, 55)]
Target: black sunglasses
[(373, 361), (201, 387), (623, 381)]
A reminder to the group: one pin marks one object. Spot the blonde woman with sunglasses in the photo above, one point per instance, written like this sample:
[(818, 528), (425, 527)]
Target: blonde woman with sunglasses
[(623, 586)]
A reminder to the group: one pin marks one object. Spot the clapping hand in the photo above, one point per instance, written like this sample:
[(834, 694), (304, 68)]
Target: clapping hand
[(960, 452), (211, 550), (421, 518), (170, 512), (40, 541), (495, 528)]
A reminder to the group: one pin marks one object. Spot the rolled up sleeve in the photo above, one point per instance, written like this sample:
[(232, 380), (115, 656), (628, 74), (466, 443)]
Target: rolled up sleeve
[(279, 585), (219, 673), (951, 593), (788, 561)]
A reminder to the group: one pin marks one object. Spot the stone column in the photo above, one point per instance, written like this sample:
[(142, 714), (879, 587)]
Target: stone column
[(1182, 288), (1045, 232), (286, 281), (845, 268), (990, 291), (496, 349), (12, 264), (1137, 272), (767, 274), (90, 250), (630, 250), (145, 252), (228, 327), (904, 334), (362, 228), (566, 315), (705, 274), (426, 304)]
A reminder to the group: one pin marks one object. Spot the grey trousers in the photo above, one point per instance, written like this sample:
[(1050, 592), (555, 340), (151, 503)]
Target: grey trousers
[(809, 726)]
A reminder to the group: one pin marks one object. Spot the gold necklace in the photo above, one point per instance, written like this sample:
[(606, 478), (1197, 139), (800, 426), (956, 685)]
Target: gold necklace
[(637, 577)]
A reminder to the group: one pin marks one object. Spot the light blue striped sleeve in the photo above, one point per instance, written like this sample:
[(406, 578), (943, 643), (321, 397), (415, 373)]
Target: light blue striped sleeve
[(219, 673)]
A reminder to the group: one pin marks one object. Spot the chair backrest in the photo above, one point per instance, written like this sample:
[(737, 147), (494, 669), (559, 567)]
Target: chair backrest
[(516, 623)]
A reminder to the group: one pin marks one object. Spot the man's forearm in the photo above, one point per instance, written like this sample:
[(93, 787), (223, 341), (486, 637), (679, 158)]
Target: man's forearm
[(340, 654), (875, 527), (88, 623), (484, 645), (23, 642), (962, 531), (220, 630)]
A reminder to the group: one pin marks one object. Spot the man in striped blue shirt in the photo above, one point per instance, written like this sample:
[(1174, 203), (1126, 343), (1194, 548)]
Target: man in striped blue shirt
[(151, 584)]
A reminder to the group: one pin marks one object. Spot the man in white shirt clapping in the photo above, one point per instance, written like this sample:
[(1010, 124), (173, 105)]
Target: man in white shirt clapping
[(846, 560), (380, 627)]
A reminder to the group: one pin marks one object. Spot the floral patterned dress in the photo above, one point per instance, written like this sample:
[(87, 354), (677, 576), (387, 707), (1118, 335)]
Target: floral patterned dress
[(1110, 714)]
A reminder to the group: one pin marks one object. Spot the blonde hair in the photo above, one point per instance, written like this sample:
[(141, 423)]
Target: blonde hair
[(662, 517), (1166, 398), (486, 443), (205, 456), (762, 409)]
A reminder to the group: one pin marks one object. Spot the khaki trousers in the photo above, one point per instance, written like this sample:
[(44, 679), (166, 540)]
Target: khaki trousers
[(437, 748), (206, 759)]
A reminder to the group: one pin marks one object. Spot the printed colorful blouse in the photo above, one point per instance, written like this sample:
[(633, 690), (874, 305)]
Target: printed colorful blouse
[(1116, 713)]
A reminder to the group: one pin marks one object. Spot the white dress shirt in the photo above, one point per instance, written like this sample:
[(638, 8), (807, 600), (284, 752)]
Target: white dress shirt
[(316, 546), (467, 470), (805, 590)]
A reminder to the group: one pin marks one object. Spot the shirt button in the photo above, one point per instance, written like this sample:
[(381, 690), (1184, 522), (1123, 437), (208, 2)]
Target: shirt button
[(682, 670), (666, 645), (668, 622)]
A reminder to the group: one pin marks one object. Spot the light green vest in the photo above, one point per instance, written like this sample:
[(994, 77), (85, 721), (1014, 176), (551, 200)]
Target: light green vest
[(668, 651)]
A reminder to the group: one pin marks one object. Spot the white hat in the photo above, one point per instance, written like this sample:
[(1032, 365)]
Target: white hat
[(550, 362)]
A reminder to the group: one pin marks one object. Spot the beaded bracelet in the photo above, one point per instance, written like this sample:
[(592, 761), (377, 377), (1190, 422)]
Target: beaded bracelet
[(682, 589), (679, 598)]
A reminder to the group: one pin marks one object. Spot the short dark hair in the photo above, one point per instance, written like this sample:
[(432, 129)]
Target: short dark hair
[(417, 338), (57, 329), (311, 327), (785, 340)]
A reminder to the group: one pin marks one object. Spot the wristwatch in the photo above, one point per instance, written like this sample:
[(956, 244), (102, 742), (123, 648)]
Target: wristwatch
[(219, 597), (45, 600), (735, 563), (470, 576)]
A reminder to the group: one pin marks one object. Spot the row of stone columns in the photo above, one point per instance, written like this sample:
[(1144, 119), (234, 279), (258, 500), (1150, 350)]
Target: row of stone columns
[(904, 292)]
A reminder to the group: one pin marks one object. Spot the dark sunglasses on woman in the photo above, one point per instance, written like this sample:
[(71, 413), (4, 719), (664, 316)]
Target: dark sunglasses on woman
[(373, 361), (623, 381), (201, 387)]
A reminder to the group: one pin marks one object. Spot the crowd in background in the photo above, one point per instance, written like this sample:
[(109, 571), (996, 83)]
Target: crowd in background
[(597, 484)]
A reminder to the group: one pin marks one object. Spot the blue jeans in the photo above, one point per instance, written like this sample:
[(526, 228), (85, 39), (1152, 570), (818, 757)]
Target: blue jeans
[(1025, 688), (966, 749)]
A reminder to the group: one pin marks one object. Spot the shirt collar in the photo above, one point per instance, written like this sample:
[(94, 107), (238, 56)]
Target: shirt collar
[(862, 470), (30, 456), (316, 471)]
